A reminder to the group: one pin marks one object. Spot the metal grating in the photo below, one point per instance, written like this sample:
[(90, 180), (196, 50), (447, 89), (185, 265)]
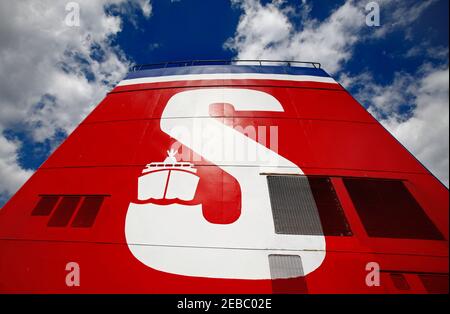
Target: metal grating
[(285, 266), (332, 216), (388, 210), (294, 209)]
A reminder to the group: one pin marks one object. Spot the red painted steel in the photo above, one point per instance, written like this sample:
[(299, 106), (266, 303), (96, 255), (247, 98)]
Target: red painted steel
[(323, 130)]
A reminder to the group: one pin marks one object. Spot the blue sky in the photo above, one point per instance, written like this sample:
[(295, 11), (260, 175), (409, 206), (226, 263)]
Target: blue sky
[(183, 30), (398, 70), (186, 30)]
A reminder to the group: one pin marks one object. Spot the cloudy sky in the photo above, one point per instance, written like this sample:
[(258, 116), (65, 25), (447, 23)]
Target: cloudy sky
[(53, 72)]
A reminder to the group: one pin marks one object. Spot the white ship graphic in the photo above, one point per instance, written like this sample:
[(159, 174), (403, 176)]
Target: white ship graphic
[(176, 238), (168, 180)]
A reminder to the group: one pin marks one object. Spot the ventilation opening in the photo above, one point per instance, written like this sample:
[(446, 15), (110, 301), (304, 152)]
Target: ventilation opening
[(388, 210), (88, 212), (82, 208), (45, 206), (306, 206), (287, 274), (285, 266), (293, 207), (435, 283), (332, 217), (64, 211), (399, 281)]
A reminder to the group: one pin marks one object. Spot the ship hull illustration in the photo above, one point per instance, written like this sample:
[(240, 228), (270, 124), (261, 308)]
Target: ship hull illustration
[(253, 232), (168, 180)]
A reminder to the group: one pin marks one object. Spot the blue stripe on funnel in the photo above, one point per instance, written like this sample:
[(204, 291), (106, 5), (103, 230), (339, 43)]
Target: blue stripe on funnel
[(217, 69)]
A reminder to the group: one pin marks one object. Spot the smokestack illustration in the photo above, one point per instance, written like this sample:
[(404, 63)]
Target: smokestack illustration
[(335, 196)]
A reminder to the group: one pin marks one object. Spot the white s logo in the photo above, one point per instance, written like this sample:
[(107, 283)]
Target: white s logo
[(178, 239)]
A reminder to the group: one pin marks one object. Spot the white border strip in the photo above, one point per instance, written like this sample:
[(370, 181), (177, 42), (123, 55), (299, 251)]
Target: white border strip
[(228, 76)]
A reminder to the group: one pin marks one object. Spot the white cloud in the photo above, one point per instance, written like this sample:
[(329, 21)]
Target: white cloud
[(400, 15), (146, 7), (267, 32), (130, 9), (53, 74), (424, 130), (383, 100), (284, 32), (425, 133), (11, 174), (438, 53), (270, 32)]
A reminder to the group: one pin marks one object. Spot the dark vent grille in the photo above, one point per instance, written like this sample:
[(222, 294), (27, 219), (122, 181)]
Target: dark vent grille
[(435, 283), (306, 205), (64, 211), (45, 206), (388, 210), (83, 209), (334, 222), (399, 281), (88, 212), (293, 207)]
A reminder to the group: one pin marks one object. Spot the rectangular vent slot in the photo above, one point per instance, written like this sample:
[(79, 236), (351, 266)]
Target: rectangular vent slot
[(388, 210), (399, 281), (435, 283), (285, 266), (293, 207), (45, 206), (67, 208), (306, 205), (88, 212), (64, 211), (332, 216)]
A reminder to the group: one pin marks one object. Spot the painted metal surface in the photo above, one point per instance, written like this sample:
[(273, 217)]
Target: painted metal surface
[(201, 220)]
